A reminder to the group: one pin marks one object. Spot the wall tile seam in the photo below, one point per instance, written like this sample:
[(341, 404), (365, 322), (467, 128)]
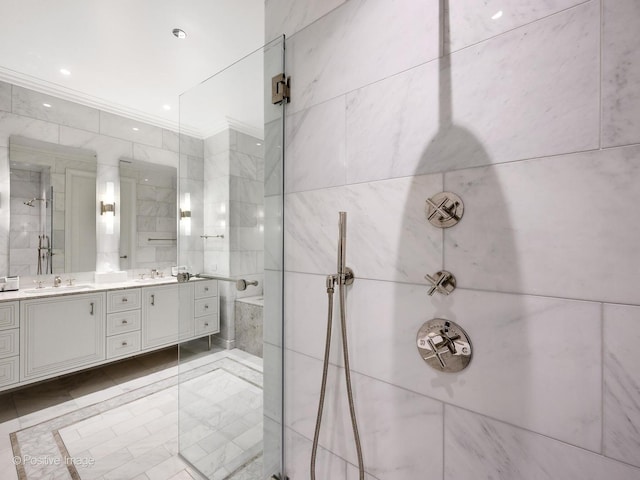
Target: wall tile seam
[(331, 452), (600, 66), (292, 35), (532, 22), (436, 59), (480, 290), (462, 169), (98, 132), (448, 404)]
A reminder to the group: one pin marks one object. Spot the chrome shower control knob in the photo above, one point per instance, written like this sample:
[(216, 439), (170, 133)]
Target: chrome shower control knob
[(442, 282), (444, 210), (444, 345)]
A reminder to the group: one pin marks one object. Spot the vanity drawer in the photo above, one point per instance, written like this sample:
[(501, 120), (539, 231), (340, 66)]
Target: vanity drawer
[(123, 322), (206, 288), (205, 306), (122, 300), (207, 325), (124, 344), (8, 315), (9, 342), (9, 369)]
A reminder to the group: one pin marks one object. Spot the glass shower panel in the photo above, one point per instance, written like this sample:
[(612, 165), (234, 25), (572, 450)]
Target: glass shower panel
[(230, 201)]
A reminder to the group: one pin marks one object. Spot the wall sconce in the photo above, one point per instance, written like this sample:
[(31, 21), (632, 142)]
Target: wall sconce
[(185, 214), (107, 208)]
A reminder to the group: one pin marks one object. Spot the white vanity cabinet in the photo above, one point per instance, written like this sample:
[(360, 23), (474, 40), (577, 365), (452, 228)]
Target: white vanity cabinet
[(123, 322), (9, 343), (206, 308), (45, 336), (167, 314), (59, 335)]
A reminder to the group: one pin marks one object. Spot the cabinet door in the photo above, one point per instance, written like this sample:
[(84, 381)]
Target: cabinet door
[(186, 311), (61, 334), (160, 315)]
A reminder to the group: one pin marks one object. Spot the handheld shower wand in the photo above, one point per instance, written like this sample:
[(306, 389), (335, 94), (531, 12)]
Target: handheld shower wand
[(343, 277), (345, 274)]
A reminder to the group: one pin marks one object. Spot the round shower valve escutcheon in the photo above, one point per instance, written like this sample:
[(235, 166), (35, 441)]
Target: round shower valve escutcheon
[(444, 345)]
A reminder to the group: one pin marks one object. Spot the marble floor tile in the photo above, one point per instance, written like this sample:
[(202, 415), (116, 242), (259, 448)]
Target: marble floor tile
[(135, 433)]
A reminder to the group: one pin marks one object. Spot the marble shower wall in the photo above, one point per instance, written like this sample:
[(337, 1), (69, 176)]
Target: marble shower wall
[(234, 207), (534, 119), (111, 136)]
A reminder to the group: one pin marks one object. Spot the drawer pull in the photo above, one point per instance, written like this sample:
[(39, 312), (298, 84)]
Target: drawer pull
[(124, 300), (206, 324), (124, 322), (124, 344), (91, 311), (153, 299), (206, 289), (206, 306)]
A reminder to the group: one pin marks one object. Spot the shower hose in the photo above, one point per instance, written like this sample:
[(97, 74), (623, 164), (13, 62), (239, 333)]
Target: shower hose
[(347, 371)]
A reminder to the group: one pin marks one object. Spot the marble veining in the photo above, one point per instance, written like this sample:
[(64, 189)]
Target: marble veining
[(5, 96), (315, 138), (516, 354), (471, 21), (392, 439), (11, 124), (122, 127), (29, 103), (536, 227), (480, 448), (372, 39), (288, 16), (621, 383), (390, 245), (493, 108), (621, 72)]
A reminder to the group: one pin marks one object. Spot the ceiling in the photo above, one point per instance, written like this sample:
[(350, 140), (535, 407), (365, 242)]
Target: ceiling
[(123, 57)]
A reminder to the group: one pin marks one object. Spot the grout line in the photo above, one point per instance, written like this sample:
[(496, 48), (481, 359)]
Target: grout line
[(602, 379), (601, 76), (444, 429), (481, 290)]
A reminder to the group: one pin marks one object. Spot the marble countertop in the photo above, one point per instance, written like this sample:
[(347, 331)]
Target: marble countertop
[(85, 287)]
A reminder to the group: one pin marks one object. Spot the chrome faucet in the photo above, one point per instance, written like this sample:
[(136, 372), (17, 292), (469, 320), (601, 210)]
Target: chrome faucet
[(57, 281)]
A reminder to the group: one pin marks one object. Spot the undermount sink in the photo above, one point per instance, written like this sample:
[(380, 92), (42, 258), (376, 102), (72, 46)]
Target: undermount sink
[(60, 289)]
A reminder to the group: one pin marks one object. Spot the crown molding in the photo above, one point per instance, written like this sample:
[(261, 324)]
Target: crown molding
[(238, 126), (65, 93)]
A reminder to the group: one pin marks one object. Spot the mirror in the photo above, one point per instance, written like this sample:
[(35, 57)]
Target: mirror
[(52, 227), (148, 231)]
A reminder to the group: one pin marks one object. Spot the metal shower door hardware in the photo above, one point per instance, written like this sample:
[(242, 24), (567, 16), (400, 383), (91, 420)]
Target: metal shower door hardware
[(280, 91), (442, 282), (444, 210), (444, 345)]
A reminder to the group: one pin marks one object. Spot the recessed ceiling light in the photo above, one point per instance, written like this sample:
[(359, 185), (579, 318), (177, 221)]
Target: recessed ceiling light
[(258, 143), (146, 179), (46, 105), (64, 71), (167, 107), (497, 15), (135, 129), (179, 33)]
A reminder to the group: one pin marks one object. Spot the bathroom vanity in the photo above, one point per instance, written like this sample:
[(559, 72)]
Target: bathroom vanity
[(57, 331)]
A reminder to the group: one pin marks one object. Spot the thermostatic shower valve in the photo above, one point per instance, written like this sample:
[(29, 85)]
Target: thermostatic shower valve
[(444, 345), (444, 209)]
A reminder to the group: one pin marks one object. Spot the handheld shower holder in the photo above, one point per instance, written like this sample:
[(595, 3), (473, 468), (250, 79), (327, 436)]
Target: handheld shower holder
[(346, 278)]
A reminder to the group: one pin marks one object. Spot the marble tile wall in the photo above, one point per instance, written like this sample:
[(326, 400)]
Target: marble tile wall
[(110, 136), (234, 207), (540, 138)]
